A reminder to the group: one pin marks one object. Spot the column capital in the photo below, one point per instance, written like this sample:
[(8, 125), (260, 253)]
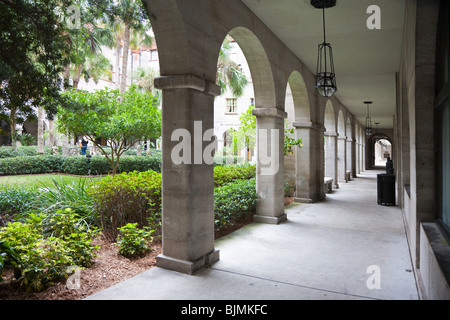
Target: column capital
[(187, 81), (308, 125), (269, 112), (331, 134)]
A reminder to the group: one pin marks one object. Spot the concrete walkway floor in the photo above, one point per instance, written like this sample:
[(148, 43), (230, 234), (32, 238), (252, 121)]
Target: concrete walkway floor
[(345, 248)]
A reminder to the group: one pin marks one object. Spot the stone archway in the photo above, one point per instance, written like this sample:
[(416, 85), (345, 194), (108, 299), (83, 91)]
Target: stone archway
[(330, 150)]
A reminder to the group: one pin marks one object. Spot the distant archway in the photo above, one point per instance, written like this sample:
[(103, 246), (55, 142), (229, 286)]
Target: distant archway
[(379, 150)]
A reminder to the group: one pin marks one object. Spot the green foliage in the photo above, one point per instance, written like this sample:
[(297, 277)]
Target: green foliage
[(234, 200), (15, 201), (229, 173), (7, 256), (229, 74), (9, 152), (246, 135), (133, 197), (63, 195), (289, 142), (46, 250), (26, 139), (120, 119), (32, 52), (77, 235), (133, 241), (227, 160), (96, 165), (30, 165)]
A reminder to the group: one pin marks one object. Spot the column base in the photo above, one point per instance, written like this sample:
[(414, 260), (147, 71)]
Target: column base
[(184, 266), (303, 200), (270, 220)]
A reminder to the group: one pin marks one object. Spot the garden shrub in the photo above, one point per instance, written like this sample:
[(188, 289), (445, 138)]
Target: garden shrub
[(75, 165), (30, 165), (227, 160), (15, 201), (132, 241), (44, 255), (229, 173), (140, 163), (22, 151), (7, 257), (233, 201), (96, 165), (133, 197), (65, 194)]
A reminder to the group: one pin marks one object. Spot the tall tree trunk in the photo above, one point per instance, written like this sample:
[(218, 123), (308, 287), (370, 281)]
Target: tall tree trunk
[(66, 76), (77, 77), (40, 133), (126, 46), (12, 121), (51, 140), (117, 68)]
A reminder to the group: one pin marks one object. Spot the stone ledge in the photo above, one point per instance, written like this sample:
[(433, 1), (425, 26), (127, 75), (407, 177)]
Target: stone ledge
[(270, 220), (187, 81), (440, 253), (269, 112), (184, 266)]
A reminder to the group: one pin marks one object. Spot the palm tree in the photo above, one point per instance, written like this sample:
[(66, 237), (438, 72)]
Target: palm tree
[(130, 16), (229, 73)]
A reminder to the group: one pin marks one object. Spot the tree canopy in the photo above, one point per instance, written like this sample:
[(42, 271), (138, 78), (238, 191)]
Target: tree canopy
[(121, 119)]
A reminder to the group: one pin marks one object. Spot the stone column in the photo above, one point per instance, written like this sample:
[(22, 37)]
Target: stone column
[(270, 165), (187, 173), (342, 154), (331, 157), (350, 157), (309, 184)]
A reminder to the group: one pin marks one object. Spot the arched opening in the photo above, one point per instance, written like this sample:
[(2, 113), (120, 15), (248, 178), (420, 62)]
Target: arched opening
[(330, 144), (350, 142), (341, 148), (259, 66), (269, 129), (297, 164), (379, 150)]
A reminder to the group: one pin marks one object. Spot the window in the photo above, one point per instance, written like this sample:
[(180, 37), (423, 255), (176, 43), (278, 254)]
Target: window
[(231, 105), (154, 55)]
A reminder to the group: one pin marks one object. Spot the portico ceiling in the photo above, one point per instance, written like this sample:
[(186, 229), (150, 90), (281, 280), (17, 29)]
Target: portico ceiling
[(366, 61)]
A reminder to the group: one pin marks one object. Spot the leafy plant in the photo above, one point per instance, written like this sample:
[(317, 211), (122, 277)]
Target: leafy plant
[(14, 201), (133, 241), (133, 197), (68, 194), (7, 255), (234, 200), (121, 119), (45, 251), (227, 174)]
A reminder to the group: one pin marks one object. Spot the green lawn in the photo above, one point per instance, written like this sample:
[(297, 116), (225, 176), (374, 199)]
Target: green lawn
[(37, 180)]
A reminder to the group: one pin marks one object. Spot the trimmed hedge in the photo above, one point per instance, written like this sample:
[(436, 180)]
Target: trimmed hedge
[(22, 151), (96, 165), (233, 201), (229, 173)]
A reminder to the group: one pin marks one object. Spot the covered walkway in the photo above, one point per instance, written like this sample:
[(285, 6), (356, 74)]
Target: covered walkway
[(344, 248)]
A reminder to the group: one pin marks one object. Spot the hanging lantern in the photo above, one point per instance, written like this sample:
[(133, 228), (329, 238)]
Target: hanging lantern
[(325, 75), (368, 126)]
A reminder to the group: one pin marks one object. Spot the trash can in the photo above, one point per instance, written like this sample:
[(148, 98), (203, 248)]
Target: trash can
[(386, 189)]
